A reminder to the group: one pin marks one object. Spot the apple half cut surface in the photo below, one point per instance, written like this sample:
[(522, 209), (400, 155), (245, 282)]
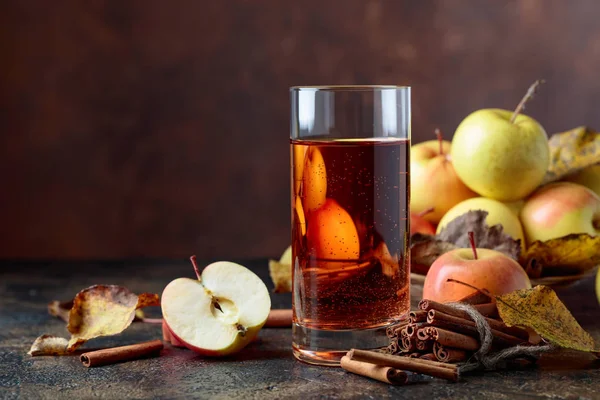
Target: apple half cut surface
[(218, 314)]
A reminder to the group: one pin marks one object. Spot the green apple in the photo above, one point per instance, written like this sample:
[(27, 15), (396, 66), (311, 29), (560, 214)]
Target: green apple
[(588, 177), (498, 213), (500, 159), (559, 209), (433, 182), (515, 206)]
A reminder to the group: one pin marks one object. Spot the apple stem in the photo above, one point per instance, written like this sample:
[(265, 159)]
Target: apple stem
[(528, 96), (440, 139), (195, 265), (425, 212), (473, 247)]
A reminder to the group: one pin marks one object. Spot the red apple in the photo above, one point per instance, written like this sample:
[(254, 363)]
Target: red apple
[(559, 209), (481, 268), (418, 224), (434, 183)]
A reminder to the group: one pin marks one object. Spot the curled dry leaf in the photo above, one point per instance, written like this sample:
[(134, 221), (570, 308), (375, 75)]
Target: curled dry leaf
[(281, 275), (48, 345), (572, 151), (99, 310), (425, 249), (541, 310), (60, 309), (569, 255), (103, 310)]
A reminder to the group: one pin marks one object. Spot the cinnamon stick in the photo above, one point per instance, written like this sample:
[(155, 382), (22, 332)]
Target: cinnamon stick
[(487, 309), (389, 375), (279, 319), (424, 345), (119, 354), (431, 368), (453, 339), (476, 298), (417, 316), (428, 356), (451, 322), (494, 324), (447, 354)]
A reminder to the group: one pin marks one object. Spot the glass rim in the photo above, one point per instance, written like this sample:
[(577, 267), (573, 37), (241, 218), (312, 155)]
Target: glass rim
[(347, 88)]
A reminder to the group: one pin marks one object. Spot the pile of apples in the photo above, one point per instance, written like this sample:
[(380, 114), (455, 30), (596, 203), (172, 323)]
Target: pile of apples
[(496, 162)]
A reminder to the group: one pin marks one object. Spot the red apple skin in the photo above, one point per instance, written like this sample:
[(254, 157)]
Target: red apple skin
[(178, 342), (419, 224), (492, 270), (559, 209)]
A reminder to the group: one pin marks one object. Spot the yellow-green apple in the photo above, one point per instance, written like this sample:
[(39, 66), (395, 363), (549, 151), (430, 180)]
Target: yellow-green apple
[(588, 177), (498, 213), (314, 180), (219, 313), (515, 206), (418, 224), (433, 181), (500, 159), (332, 235), (559, 209), (480, 268)]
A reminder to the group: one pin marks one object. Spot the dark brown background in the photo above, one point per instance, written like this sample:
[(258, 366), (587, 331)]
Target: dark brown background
[(160, 128)]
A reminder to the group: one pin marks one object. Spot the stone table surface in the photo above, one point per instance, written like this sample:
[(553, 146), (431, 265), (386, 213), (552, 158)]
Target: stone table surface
[(265, 369)]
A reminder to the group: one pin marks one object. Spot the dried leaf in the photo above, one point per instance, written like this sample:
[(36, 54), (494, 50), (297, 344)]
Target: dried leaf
[(572, 151), (281, 275), (60, 309), (486, 237), (48, 345), (575, 253), (148, 300), (100, 311), (541, 310), (425, 249)]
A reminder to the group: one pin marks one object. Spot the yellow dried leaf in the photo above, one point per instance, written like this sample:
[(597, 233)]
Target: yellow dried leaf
[(571, 151), (576, 252), (100, 311), (281, 275), (60, 309), (541, 310), (48, 345)]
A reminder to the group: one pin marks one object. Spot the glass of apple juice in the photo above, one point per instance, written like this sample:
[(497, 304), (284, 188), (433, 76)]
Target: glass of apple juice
[(350, 148)]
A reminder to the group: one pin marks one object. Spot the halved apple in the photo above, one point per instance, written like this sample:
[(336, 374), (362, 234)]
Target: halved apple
[(314, 180), (218, 314)]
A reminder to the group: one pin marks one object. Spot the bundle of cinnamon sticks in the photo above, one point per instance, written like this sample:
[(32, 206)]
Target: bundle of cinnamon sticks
[(439, 332)]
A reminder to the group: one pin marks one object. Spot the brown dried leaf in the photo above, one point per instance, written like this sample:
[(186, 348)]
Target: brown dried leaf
[(100, 311), (571, 151), (575, 253), (48, 345), (541, 310), (281, 275), (486, 237), (425, 249)]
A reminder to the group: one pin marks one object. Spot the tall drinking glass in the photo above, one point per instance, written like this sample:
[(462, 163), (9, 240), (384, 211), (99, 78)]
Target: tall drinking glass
[(350, 148)]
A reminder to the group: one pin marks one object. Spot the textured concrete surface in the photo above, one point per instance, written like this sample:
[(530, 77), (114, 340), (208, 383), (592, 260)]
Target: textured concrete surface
[(266, 369)]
